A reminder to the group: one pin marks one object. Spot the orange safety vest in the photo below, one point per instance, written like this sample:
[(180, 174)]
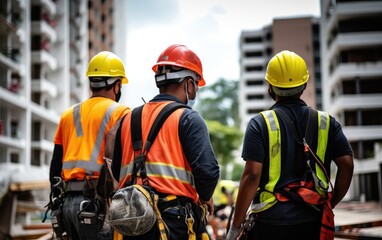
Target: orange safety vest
[(82, 132), (167, 167)]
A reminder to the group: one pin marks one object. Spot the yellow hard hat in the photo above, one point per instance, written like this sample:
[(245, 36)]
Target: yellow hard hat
[(287, 70), (106, 64)]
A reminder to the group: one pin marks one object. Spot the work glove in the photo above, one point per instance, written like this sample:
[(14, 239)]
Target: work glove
[(233, 233)]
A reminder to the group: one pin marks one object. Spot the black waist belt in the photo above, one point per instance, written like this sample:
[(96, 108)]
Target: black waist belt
[(176, 201), (80, 185)]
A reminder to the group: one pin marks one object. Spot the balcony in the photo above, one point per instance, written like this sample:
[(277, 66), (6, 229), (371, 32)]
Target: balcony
[(49, 5), (44, 86), (43, 28), (351, 70), (359, 133), (44, 57), (48, 115), (12, 100), (44, 145), (346, 10), (352, 40), (12, 142), (10, 57), (358, 101)]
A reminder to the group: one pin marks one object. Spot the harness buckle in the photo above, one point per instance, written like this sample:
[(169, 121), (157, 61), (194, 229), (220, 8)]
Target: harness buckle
[(189, 219)]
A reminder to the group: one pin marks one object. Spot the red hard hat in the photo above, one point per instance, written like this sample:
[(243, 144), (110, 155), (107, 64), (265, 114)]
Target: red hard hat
[(181, 56)]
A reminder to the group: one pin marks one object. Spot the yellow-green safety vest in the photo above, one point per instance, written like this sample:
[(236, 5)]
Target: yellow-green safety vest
[(267, 197)]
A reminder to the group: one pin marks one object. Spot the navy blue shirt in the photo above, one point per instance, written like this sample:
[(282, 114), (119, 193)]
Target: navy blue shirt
[(195, 141), (293, 164)]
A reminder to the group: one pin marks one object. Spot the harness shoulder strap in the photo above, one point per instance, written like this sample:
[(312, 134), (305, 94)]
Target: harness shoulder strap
[(312, 125)]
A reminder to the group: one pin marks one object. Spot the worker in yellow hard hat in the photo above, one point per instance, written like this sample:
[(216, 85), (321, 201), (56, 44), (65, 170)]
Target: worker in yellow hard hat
[(80, 144), (224, 199), (288, 151)]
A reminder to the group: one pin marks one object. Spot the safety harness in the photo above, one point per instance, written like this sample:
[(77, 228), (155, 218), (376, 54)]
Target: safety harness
[(315, 188), (140, 155), (56, 201)]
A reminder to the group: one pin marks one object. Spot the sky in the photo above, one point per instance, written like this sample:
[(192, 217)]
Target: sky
[(210, 28)]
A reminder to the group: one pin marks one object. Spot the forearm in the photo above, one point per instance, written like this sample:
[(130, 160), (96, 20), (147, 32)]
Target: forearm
[(247, 192), (56, 163), (343, 178)]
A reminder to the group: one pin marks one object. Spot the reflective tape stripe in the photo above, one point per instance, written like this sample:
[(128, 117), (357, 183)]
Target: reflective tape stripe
[(163, 171), (323, 119), (274, 148), (101, 132), (77, 120), (271, 120), (323, 135), (91, 165), (323, 132)]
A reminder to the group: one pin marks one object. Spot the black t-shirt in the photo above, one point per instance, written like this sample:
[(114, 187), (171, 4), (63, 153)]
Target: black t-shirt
[(293, 164)]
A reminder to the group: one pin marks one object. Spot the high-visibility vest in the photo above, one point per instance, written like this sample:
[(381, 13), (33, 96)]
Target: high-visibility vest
[(267, 196), (167, 168), (82, 131)]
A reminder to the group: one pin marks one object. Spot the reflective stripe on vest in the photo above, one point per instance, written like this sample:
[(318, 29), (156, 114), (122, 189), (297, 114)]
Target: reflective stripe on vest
[(90, 165), (77, 120), (267, 198), (323, 133), (161, 170), (167, 168)]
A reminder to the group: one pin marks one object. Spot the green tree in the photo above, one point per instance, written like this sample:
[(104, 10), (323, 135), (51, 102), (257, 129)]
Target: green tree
[(218, 104), (225, 140)]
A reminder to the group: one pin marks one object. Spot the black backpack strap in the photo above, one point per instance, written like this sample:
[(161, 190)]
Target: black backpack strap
[(287, 119), (136, 137), (311, 128), (136, 129)]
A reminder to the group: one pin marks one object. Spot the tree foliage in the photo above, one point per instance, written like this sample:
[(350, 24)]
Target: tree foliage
[(225, 140), (220, 102), (218, 105)]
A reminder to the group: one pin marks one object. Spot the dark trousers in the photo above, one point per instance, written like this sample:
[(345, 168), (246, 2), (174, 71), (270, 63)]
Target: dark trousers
[(304, 231), (72, 225), (175, 220)]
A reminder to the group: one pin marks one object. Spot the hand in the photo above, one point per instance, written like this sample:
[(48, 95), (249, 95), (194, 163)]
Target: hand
[(233, 233), (210, 205)]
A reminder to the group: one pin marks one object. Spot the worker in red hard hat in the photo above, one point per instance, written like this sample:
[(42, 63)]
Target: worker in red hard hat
[(181, 166)]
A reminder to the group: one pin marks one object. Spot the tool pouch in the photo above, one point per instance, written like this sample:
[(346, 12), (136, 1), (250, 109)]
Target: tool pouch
[(57, 224), (327, 223)]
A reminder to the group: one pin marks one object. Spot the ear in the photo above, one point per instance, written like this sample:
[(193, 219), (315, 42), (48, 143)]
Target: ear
[(189, 84)]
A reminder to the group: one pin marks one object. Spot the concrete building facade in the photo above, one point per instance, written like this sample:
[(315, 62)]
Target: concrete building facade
[(300, 35), (343, 52), (45, 46), (351, 54)]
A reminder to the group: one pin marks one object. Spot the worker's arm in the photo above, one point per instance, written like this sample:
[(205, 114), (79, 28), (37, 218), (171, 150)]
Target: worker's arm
[(247, 191), (343, 179), (195, 140), (56, 163)]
